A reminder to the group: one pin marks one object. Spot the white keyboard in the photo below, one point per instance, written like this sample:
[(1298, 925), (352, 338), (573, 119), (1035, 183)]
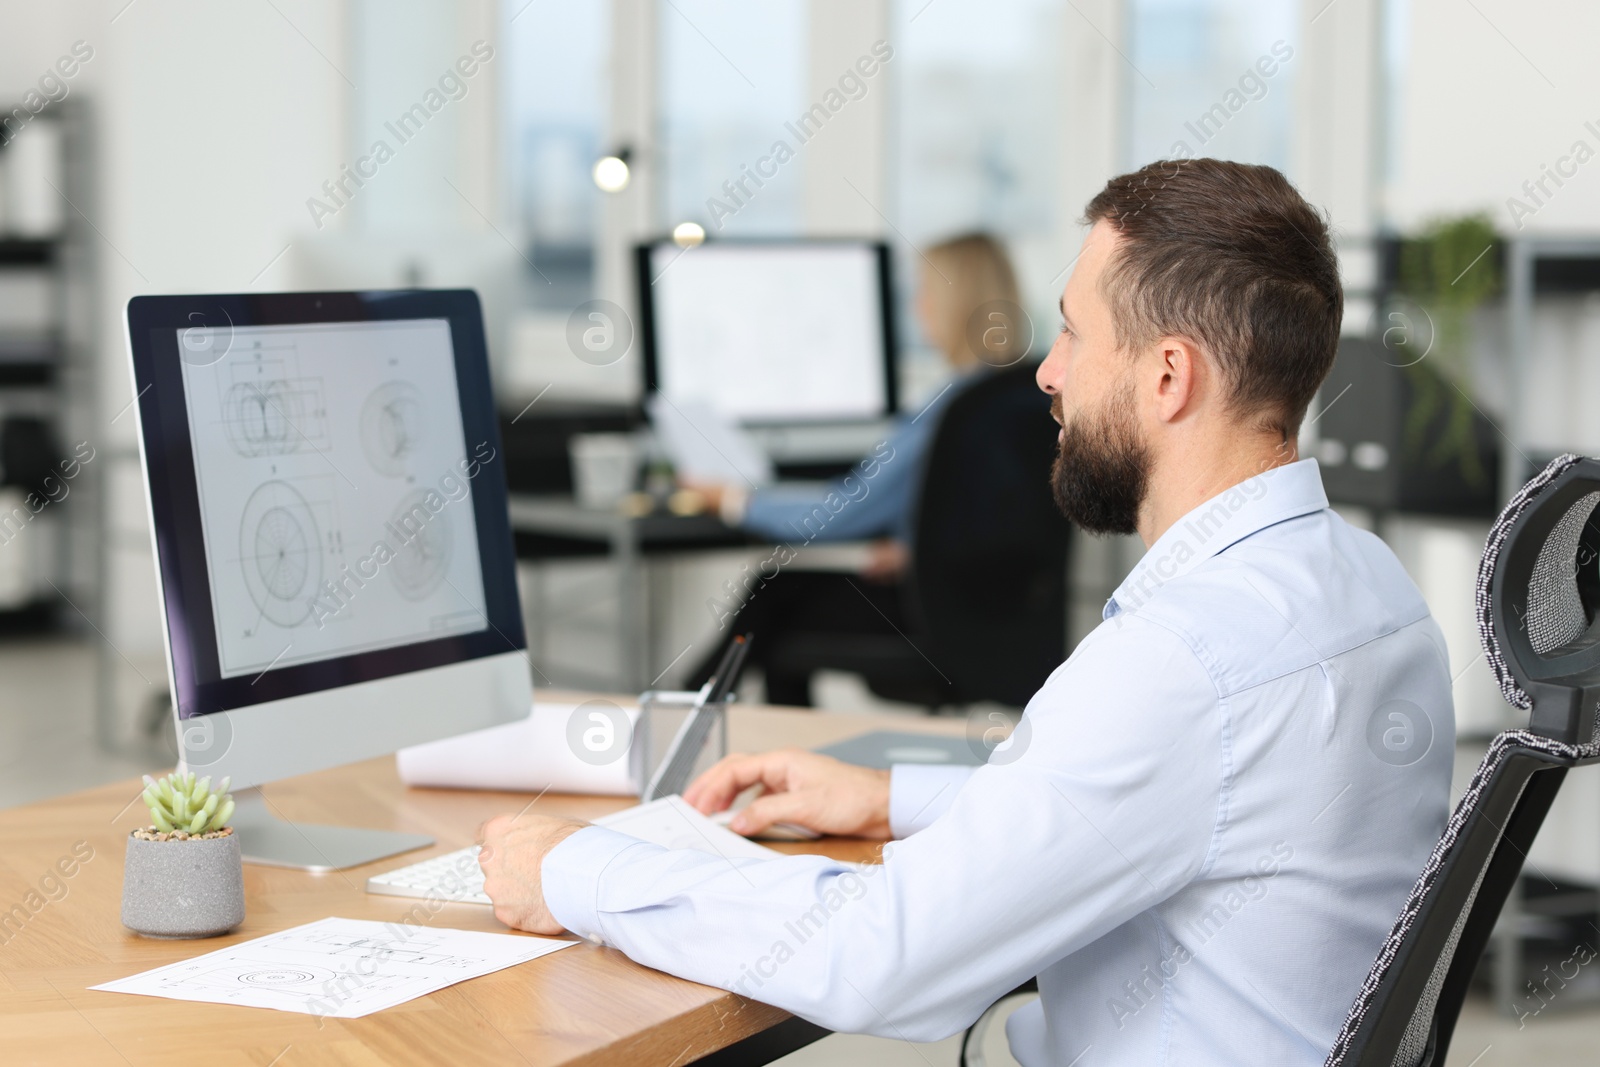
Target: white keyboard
[(454, 877)]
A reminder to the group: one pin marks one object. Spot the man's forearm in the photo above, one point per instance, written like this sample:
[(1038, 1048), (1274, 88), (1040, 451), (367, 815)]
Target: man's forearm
[(915, 947), (771, 930), (920, 793)]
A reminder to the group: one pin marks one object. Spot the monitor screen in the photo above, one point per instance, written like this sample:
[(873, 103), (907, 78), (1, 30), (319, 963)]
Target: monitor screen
[(331, 467), (327, 494), (771, 331)]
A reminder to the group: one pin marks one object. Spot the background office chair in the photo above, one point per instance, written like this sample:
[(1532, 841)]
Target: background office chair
[(986, 595), (1537, 603)]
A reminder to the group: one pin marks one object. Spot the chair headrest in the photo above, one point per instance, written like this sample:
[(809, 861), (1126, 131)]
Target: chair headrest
[(1538, 591)]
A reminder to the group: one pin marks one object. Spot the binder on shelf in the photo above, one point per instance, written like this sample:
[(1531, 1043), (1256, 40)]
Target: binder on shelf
[(1391, 437)]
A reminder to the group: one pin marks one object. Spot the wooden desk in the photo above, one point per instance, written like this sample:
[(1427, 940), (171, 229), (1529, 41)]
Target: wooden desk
[(585, 1004)]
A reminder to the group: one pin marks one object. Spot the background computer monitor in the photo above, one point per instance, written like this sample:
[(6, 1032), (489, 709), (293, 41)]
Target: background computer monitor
[(769, 331), (328, 506)]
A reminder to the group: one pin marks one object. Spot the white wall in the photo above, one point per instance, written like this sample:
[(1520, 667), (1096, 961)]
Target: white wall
[(1336, 112), (841, 32), (214, 121), (1493, 90), (217, 122)]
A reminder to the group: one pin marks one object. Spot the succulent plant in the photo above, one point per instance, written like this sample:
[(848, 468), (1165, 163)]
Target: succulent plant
[(179, 803)]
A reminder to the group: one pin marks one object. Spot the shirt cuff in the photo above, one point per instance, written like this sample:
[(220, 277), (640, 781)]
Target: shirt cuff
[(919, 793), (570, 876)]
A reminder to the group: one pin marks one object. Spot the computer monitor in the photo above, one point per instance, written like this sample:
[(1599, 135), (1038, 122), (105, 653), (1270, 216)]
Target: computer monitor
[(333, 548), (770, 331)]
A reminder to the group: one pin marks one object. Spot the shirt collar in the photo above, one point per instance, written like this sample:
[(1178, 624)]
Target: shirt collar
[(1271, 497)]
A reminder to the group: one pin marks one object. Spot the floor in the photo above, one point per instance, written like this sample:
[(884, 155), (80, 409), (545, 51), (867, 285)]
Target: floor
[(47, 748), (1482, 1039), (47, 742)]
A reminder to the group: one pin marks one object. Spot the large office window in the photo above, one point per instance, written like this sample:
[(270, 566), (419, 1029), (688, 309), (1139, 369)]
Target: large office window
[(1210, 78), (977, 143), (977, 126), (732, 74), (555, 94), (1396, 30)]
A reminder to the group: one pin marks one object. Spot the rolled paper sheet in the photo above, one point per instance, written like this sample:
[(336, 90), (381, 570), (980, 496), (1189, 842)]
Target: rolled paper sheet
[(566, 748)]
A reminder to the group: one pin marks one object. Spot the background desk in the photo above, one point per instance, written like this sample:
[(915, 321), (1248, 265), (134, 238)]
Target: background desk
[(549, 527), (554, 527), (584, 1004)]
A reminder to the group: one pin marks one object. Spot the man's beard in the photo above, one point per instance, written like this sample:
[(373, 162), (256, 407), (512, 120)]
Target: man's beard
[(1102, 469)]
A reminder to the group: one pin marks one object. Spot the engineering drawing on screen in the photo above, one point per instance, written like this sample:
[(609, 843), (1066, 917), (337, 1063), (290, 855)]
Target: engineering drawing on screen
[(331, 465), (421, 561), (280, 553), (392, 427), (275, 417)]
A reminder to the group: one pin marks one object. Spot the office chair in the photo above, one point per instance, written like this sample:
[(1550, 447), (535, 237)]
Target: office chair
[(1538, 595), (1537, 604), (986, 592)]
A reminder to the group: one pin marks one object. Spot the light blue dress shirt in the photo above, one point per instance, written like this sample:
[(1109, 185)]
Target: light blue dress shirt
[(874, 500), (1197, 840)]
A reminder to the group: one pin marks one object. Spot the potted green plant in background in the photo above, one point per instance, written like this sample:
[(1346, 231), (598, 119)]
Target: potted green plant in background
[(184, 876), (1450, 269)]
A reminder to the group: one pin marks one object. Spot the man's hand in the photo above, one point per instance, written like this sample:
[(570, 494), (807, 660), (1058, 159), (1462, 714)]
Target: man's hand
[(514, 848), (805, 789)]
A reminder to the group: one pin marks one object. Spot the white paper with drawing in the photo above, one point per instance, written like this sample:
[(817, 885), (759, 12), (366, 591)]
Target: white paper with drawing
[(340, 968)]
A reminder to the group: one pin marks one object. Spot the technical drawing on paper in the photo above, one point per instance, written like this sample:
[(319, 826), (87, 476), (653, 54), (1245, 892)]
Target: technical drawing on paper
[(421, 560), (279, 977), (263, 974), (275, 417), (345, 968), (387, 948), (392, 427), (280, 552), (319, 990)]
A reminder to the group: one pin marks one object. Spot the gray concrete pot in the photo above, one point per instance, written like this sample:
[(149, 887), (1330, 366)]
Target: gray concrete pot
[(177, 889)]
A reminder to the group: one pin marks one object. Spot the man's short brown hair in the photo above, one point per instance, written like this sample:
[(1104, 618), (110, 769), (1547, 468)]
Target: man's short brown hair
[(1231, 257)]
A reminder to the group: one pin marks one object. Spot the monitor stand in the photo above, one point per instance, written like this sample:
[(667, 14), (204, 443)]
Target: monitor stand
[(267, 839)]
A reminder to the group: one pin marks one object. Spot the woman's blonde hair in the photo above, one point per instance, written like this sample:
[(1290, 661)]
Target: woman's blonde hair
[(976, 309)]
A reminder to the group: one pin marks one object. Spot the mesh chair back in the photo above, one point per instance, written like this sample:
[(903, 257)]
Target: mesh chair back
[(1536, 608), (988, 584)]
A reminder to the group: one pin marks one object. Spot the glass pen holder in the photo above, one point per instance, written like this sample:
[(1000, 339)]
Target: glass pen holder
[(662, 713)]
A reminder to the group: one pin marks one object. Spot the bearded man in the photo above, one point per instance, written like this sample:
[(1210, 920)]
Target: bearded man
[(1205, 835)]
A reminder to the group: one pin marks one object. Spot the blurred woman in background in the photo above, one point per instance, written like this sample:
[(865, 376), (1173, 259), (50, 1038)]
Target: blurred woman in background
[(968, 308)]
